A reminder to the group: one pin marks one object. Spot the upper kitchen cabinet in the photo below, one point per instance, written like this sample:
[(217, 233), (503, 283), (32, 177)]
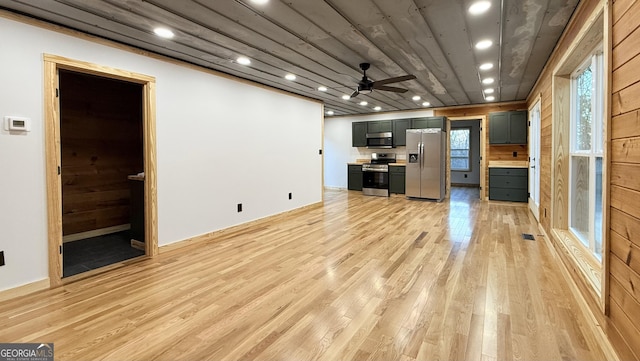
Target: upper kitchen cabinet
[(359, 134), (428, 122), (359, 130), (380, 126), (400, 127), (508, 127)]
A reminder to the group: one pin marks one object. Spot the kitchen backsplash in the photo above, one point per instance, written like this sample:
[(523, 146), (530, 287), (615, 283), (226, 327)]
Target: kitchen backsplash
[(365, 153)]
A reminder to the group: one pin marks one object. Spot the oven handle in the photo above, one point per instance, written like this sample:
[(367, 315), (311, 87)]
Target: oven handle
[(376, 170)]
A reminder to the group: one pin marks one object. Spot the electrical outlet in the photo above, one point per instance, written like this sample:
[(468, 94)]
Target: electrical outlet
[(239, 207), (465, 175), (1, 258), (290, 195), (515, 154)]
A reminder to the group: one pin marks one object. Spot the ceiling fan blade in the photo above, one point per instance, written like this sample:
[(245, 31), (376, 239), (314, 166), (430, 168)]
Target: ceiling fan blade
[(390, 89), (393, 80), (355, 93)]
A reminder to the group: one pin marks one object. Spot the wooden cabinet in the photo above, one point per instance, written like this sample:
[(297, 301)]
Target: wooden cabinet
[(508, 127), (400, 127), (359, 134), (508, 184), (428, 122), (354, 177), (397, 179)]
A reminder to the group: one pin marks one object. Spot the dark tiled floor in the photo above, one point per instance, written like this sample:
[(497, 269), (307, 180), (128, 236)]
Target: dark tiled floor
[(91, 253)]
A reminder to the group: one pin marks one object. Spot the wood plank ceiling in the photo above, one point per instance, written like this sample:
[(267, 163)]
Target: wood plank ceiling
[(322, 43)]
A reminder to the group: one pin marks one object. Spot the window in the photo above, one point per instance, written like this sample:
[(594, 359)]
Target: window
[(586, 153), (460, 149)]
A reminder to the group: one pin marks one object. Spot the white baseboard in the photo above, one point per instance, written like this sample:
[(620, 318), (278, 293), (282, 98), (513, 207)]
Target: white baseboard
[(95, 233)]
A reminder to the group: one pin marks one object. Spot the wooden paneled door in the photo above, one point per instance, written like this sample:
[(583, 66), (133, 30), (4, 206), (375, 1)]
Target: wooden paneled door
[(54, 65)]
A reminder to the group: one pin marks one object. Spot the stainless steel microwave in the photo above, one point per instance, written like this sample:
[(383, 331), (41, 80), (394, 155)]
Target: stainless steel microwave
[(380, 140)]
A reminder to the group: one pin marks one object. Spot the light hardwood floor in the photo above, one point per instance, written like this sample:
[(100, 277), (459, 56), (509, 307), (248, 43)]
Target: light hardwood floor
[(361, 278)]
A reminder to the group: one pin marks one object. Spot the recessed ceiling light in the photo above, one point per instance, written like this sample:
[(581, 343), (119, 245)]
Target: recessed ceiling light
[(290, 77), (363, 103), (479, 7), (426, 104), (163, 33), (260, 2), (416, 98), (243, 60), (487, 81), (378, 108), (486, 66), (489, 91), (346, 97), (484, 44), (490, 98), (322, 88), (330, 112)]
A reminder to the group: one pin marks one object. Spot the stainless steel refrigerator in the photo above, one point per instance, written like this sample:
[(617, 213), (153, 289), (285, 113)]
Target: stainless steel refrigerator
[(425, 170)]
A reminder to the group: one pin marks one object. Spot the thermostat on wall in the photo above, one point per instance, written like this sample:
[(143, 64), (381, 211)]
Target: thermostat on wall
[(17, 124)]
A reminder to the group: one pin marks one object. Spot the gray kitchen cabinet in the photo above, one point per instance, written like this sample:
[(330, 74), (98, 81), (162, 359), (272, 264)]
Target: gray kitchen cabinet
[(428, 122), (508, 127), (509, 184), (359, 131), (359, 134), (400, 127), (354, 177), (397, 179), (380, 126)]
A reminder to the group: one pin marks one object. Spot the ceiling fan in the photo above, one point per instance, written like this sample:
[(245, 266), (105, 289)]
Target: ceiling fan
[(366, 86)]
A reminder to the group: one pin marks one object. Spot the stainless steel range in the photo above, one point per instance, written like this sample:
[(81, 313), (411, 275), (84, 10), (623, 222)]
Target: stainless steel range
[(375, 175)]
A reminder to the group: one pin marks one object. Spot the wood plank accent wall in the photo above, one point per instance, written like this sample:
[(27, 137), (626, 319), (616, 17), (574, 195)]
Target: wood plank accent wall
[(620, 321), (624, 273), (101, 144), (494, 152)]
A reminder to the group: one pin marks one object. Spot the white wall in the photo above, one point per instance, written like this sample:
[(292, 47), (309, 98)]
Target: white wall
[(219, 142), (337, 144), (473, 177)]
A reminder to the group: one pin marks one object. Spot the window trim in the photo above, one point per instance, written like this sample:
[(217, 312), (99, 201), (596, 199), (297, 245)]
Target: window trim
[(451, 157), (594, 279), (594, 59)]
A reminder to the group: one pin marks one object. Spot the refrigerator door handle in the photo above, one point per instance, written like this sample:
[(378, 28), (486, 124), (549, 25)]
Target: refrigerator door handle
[(421, 155)]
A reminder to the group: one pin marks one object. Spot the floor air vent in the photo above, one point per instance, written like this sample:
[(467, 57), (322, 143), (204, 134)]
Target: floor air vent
[(528, 237)]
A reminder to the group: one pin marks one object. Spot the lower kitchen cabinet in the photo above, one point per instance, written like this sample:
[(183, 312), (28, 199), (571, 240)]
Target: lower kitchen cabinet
[(396, 179), (354, 177), (509, 184)]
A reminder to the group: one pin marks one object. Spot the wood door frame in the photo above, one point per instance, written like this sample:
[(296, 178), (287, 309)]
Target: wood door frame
[(52, 64), (483, 150)]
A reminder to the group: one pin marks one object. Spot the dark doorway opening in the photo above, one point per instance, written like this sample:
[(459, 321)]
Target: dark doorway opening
[(102, 164)]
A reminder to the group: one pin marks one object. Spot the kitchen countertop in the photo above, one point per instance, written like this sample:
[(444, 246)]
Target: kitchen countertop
[(508, 164)]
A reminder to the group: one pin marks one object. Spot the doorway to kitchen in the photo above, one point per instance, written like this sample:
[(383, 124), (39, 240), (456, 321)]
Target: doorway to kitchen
[(100, 142), (465, 158)]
